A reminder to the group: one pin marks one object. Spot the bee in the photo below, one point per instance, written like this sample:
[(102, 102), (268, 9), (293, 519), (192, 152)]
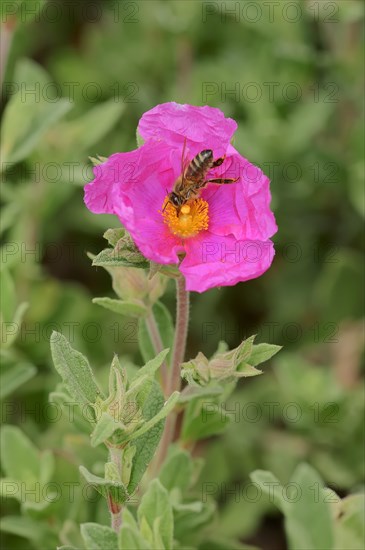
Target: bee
[(192, 178)]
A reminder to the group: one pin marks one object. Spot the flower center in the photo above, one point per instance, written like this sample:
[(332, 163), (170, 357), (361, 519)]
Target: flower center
[(189, 221)]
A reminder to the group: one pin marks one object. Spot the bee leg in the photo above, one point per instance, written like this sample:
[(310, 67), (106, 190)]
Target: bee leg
[(218, 162), (224, 180)]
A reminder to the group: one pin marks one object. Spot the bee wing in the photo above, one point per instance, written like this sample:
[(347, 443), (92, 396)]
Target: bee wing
[(184, 162)]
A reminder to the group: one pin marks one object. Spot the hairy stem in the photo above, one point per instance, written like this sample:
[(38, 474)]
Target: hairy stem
[(174, 382), (181, 333), (115, 508), (158, 346)]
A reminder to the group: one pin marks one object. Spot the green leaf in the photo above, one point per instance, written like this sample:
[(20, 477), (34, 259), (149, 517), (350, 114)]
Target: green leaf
[(25, 122), (129, 519), (9, 217), (13, 376), (169, 405), (9, 337), (33, 472), (138, 392), (26, 527), (127, 463), (32, 73), (151, 366), (146, 444), (106, 487), (15, 446), (8, 296), (112, 257), (46, 466), (123, 307), (114, 235), (271, 486), (131, 539), (261, 353), (177, 471), (96, 161), (308, 521), (166, 329), (192, 393), (99, 537), (74, 370), (203, 419), (225, 365), (155, 505), (350, 525), (244, 370), (187, 521), (104, 429)]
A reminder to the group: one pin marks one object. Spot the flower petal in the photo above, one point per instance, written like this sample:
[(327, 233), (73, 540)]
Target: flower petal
[(110, 176), (252, 198), (140, 208), (202, 127), (241, 208), (133, 186), (213, 260)]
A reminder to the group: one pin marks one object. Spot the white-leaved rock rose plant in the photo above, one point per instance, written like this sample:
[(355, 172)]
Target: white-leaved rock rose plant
[(217, 235)]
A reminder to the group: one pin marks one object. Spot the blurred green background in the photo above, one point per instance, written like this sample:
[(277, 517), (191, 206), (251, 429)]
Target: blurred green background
[(291, 75)]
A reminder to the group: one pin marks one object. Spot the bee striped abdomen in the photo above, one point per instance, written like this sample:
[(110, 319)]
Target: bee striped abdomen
[(200, 164)]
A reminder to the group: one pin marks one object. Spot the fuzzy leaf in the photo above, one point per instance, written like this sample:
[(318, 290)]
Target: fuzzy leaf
[(146, 444), (26, 527), (350, 526), (151, 366), (261, 353), (155, 505), (203, 419), (270, 485), (74, 370), (131, 539), (106, 487), (191, 393), (177, 471), (169, 405), (123, 307), (104, 429), (129, 519), (113, 235), (308, 522), (99, 537), (114, 257)]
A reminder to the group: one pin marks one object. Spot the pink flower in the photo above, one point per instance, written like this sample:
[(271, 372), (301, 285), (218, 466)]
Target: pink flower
[(224, 235)]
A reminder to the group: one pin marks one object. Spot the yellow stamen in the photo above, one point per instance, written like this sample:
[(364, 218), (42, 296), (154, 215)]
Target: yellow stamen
[(189, 221)]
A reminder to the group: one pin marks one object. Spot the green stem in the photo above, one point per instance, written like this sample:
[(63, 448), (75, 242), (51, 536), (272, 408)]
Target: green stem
[(158, 346), (174, 382), (181, 333), (115, 508)]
